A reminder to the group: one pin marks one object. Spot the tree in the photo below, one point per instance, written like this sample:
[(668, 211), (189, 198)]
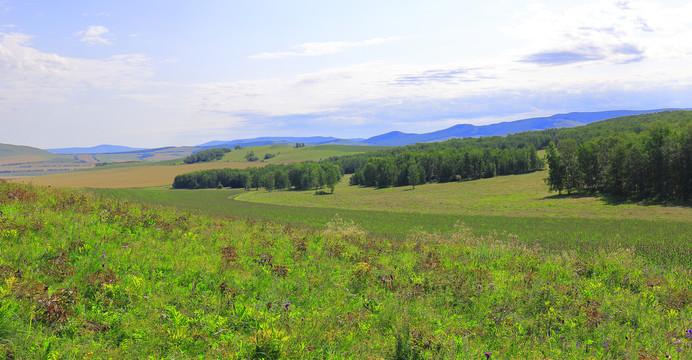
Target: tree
[(331, 176), (567, 150), (268, 181), (556, 170), (415, 175), (250, 156), (281, 180)]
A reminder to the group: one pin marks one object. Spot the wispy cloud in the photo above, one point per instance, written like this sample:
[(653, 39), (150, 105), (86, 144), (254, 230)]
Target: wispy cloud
[(94, 35), (614, 32), (322, 48), (29, 75)]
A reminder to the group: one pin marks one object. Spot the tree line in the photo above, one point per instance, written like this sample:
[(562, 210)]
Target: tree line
[(443, 165), (206, 155), (653, 164), (538, 139), (300, 176)]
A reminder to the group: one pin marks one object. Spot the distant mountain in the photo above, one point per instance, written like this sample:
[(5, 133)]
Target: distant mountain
[(261, 141), (397, 138), (394, 138), (100, 149)]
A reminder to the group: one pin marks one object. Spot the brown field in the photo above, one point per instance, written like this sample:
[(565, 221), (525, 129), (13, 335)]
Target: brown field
[(16, 159), (87, 158), (129, 177)]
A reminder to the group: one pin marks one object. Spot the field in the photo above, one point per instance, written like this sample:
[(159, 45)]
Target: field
[(129, 175), (288, 153), (508, 196), (89, 277), (161, 173), (518, 205)]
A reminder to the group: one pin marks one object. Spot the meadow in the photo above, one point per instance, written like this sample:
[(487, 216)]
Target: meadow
[(289, 153), (84, 276), (129, 175), (159, 173), (517, 205)]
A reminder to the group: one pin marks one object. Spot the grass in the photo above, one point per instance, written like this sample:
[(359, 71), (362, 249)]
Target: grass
[(159, 173), (508, 196), (288, 153), (659, 240), (129, 175), (89, 277)]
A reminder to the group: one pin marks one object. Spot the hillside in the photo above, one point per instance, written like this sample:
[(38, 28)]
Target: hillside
[(100, 149), (397, 138), (84, 275), (7, 150)]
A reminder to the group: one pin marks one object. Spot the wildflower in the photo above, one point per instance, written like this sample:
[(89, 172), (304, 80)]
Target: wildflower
[(287, 305), (487, 354), (103, 256)]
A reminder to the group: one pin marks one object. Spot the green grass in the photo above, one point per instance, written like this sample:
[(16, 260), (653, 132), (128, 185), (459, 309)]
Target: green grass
[(288, 153), (665, 242), (90, 277), (508, 196)]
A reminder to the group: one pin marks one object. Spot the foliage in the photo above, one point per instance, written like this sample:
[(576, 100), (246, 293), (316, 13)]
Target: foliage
[(250, 156), (415, 167), (301, 176), (537, 139), (654, 164), (206, 155), (161, 283)]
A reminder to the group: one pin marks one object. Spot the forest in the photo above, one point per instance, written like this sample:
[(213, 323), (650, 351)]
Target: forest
[(416, 167), (300, 176), (655, 164)]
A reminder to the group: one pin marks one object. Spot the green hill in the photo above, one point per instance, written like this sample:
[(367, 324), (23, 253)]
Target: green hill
[(19, 150)]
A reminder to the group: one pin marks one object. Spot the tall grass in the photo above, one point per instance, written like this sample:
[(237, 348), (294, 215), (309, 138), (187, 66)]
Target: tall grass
[(86, 277)]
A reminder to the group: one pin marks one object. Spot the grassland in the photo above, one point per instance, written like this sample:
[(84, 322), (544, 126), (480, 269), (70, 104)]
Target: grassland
[(287, 153), (508, 196), (129, 175), (160, 173), (663, 238), (88, 277)]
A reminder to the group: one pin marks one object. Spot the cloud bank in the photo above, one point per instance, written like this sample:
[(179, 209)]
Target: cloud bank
[(322, 48)]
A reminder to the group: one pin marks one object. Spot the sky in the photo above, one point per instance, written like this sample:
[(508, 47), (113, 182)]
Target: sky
[(153, 73)]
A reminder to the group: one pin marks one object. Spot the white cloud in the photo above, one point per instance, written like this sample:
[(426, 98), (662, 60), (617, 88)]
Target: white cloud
[(93, 35), (607, 31), (322, 48), (30, 76)]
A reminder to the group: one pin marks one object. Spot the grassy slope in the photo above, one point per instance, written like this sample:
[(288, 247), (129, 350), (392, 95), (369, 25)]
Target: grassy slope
[(129, 176), (291, 153), (85, 277), (19, 150), (511, 196), (664, 240), (147, 174)]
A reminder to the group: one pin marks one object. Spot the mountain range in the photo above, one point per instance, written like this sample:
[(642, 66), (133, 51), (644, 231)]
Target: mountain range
[(398, 138)]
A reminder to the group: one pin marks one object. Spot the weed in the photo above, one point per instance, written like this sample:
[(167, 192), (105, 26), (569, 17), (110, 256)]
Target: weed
[(229, 255), (56, 307)]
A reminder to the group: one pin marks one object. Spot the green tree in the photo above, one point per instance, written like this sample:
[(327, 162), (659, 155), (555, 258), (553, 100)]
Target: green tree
[(268, 180), (556, 170), (415, 175), (572, 179), (331, 176)]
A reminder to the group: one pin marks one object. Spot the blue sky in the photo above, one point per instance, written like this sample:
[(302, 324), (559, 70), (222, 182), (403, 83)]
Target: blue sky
[(155, 73)]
